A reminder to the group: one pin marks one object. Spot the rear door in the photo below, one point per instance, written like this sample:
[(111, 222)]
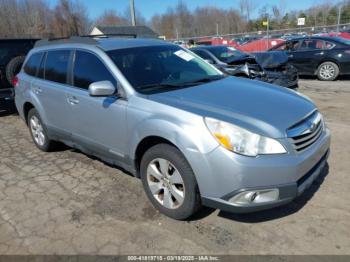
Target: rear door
[(100, 121), (308, 55), (50, 89)]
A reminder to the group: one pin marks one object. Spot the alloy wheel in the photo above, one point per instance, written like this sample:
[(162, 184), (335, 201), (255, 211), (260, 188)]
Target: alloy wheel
[(327, 71), (165, 183), (37, 130)]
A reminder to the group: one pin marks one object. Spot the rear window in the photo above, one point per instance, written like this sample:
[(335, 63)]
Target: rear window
[(56, 66), (32, 64)]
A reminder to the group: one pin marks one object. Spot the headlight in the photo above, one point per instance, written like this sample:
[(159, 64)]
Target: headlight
[(242, 141)]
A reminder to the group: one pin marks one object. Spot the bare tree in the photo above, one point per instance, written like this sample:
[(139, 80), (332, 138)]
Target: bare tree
[(70, 18), (111, 18), (26, 18), (247, 7)]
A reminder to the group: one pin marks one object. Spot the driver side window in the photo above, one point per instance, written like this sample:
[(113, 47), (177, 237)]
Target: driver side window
[(89, 69)]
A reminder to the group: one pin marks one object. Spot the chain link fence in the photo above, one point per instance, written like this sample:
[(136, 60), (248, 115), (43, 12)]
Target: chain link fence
[(277, 33)]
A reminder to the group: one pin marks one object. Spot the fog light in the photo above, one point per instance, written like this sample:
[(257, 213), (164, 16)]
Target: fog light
[(247, 198)]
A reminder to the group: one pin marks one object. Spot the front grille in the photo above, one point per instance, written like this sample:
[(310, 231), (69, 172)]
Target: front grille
[(306, 133)]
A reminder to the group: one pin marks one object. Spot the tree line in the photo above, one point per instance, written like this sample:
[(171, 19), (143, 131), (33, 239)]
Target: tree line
[(36, 18)]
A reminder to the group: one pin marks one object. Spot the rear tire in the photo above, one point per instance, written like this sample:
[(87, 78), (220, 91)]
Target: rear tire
[(13, 67), (328, 71), (169, 182), (39, 132)]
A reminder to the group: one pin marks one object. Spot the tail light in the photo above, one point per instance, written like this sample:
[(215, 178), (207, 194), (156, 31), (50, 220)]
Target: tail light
[(15, 81)]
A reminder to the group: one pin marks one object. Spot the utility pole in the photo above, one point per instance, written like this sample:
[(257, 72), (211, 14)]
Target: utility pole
[(132, 12), (268, 31), (217, 29), (339, 16)]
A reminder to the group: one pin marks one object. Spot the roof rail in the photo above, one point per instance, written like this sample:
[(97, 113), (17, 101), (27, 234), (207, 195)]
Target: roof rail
[(83, 39), (110, 35), (66, 40)]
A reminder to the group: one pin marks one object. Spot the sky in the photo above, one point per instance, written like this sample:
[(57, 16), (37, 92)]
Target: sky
[(150, 7)]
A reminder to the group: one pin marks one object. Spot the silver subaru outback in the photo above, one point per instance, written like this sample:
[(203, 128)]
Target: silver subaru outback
[(193, 135)]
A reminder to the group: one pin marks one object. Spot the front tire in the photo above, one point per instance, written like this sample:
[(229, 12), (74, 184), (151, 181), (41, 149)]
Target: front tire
[(328, 71), (169, 182), (38, 132)]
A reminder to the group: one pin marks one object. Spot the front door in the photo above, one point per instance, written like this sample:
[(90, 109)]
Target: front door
[(307, 57), (100, 122)]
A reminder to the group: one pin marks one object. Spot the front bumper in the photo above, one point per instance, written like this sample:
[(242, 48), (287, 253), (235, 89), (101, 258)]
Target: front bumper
[(287, 192), (288, 79), (221, 175)]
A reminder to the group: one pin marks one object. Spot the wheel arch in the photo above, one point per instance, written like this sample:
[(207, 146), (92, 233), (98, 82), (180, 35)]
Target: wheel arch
[(324, 61), (26, 108), (145, 144)]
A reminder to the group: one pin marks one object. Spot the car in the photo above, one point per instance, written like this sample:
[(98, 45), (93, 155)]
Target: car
[(194, 136), (324, 57), (12, 55), (271, 67)]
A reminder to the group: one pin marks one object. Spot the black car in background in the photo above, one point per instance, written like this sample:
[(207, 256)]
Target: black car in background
[(12, 55), (271, 67), (325, 57)]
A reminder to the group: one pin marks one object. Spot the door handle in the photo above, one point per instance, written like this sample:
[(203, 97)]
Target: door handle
[(290, 56), (320, 53), (37, 90), (73, 100)]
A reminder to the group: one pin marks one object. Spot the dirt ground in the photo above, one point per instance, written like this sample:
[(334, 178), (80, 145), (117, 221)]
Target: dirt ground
[(67, 203)]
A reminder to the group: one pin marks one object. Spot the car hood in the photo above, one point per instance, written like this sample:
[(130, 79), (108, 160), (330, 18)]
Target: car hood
[(271, 59), (240, 59), (260, 107)]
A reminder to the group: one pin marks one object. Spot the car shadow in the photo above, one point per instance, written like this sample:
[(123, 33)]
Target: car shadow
[(340, 78), (281, 211), (7, 107)]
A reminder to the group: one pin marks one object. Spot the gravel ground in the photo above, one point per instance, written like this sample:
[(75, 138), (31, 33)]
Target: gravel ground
[(67, 203)]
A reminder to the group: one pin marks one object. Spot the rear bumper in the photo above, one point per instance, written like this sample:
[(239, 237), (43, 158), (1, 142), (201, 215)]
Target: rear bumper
[(7, 93), (287, 192)]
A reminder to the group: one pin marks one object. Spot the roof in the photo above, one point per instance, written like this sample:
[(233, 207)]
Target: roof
[(315, 37), (105, 43), (119, 43), (139, 31), (208, 47)]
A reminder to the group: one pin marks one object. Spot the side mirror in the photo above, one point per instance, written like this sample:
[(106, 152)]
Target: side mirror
[(210, 61), (102, 88)]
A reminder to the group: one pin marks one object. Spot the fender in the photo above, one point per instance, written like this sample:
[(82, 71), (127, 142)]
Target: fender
[(183, 137)]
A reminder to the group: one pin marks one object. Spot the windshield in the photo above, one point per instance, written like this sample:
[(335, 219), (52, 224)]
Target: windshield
[(163, 67), (223, 53)]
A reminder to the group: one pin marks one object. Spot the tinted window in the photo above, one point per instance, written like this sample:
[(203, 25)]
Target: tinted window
[(89, 69), (329, 45), (288, 46), (56, 66), (224, 53), (311, 44), (202, 54), (32, 64), (42, 67)]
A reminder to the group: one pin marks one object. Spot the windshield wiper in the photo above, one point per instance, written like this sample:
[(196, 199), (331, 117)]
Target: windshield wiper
[(179, 85), (156, 86), (203, 80)]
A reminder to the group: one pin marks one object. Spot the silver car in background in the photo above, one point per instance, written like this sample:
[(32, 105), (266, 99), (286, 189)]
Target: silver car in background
[(194, 136)]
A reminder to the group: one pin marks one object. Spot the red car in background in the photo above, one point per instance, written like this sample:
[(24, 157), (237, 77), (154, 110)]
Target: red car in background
[(217, 41), (260, 45)]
